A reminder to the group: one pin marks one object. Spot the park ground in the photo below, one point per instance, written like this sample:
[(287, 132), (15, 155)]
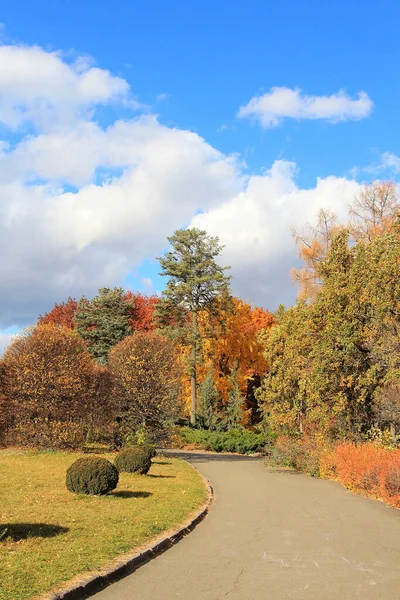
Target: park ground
[(49, 535)]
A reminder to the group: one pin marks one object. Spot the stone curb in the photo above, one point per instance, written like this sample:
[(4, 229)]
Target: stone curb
[(131, 562)]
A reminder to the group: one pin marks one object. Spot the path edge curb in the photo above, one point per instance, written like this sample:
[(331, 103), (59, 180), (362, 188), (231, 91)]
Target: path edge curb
[(129, 563)]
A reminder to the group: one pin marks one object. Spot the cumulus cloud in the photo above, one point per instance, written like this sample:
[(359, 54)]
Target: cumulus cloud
[(255, 227), (272, 108), (39, 87), (82, 204), (61, 242)]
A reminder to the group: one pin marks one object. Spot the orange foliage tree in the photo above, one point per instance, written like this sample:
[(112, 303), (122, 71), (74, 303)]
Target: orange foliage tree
[(54, 388), (61, 314), (234, 346)]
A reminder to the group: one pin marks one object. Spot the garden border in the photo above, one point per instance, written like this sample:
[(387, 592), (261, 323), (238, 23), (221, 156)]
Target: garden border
[(129, 563)]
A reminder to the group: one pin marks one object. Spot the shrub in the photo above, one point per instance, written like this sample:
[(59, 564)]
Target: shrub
[(306, 453), (6, 416), (42, 433), (133, 460), (241, 441), (359, 467), (150, 449), (392, 482), (92, 475), (328, 465), (371, 470)]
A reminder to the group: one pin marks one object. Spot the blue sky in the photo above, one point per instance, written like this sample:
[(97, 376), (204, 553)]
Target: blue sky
[(175, 76)]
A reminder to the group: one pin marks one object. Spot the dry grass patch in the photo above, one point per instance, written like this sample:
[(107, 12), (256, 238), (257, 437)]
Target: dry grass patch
[(48, 535)]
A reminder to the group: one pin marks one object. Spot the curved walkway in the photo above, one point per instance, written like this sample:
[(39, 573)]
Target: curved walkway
[(274, 535)]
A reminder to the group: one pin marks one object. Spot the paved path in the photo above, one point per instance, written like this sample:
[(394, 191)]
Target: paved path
[(275, 536)]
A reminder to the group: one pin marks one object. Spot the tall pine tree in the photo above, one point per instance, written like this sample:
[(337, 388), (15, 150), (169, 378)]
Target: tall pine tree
[(195, 283)]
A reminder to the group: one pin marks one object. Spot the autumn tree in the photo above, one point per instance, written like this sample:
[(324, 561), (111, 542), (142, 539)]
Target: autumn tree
[(142, 311), (6, 408), (329, 360), (147, 377), (374, 211), (104, 321), (230, 344), (387, 408), (52, 384), (195, 283), (285, 393), (313, 243), (62, 314)]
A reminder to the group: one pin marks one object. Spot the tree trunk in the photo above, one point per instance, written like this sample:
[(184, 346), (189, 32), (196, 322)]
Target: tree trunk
[(193, 372)]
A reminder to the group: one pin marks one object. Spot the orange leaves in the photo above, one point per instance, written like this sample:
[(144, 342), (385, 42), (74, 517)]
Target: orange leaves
[(368, 469), (61, 314), (371, 470), (143, 311), (235, 342)]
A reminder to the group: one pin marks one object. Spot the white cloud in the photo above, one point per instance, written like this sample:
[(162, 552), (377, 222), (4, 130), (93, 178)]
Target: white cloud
[(272, 108), (81, 205), (389, 162), (387, 165), (39, 87), (255, 227)]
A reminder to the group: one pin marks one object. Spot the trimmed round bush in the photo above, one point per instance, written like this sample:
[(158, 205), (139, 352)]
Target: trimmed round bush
[(92, 475), (133, 460), (150, 449)]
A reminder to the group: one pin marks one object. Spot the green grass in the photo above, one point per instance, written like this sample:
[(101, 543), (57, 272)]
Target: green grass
[(80, 533)]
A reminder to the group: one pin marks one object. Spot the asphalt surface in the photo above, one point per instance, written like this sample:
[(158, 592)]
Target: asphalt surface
[(275, 535)]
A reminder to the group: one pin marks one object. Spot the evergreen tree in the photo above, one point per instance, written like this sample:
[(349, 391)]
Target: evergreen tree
[(234, 408), (208, 402), (196, 283), (104, 321)]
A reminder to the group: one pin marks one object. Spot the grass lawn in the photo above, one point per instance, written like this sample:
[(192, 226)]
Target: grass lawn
[(54, 535)]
